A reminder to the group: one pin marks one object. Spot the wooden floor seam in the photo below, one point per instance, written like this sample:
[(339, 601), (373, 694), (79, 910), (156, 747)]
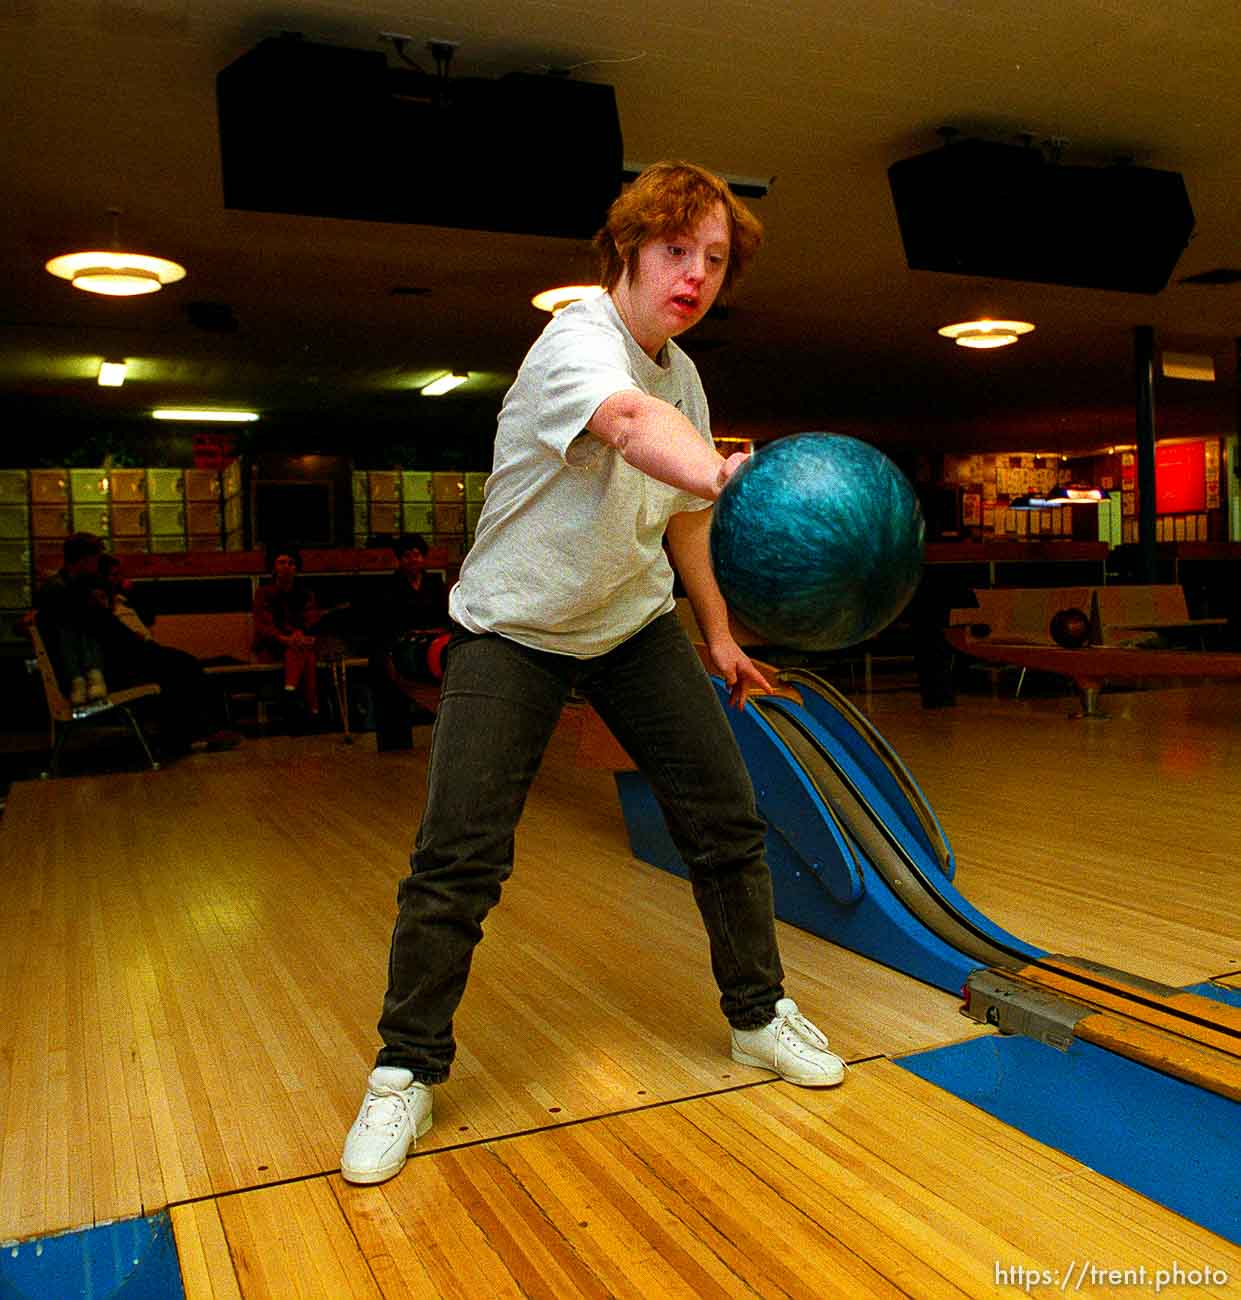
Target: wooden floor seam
[(351, 1228), (208, 1197)]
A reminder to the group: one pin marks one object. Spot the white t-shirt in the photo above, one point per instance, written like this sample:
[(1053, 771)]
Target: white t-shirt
[(568, 555)]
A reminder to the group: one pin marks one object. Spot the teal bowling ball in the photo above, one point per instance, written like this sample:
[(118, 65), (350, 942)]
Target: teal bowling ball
[(817, 541)]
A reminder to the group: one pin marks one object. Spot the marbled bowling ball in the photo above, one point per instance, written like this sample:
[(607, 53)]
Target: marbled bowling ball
[(1070, 628), (817, 541)]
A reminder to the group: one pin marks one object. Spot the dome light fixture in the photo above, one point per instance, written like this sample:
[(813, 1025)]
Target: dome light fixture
[(115, 273), (556, 300), (986, 333)]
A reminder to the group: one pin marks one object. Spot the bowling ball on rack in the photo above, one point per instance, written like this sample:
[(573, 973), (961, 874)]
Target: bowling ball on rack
[(817, 541), (1070, 628), (420, 656)]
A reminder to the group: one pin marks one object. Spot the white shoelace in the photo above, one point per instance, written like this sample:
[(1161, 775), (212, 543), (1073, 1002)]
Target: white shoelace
[(383, 1111), (808, 1033), (795, 1022)]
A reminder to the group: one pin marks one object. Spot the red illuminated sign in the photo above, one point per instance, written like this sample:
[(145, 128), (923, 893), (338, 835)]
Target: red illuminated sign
[(1180, 478)]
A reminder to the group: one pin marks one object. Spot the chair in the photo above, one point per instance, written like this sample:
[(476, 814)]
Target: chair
[(64, 716)]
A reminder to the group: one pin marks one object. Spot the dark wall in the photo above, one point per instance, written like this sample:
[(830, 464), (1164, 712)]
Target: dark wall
[(455, 434)]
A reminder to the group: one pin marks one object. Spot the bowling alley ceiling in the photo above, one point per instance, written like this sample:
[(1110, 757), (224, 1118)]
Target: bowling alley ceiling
[(319, 321)]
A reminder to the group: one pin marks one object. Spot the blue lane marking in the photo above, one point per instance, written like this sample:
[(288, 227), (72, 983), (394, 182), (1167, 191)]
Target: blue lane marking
[(1175, 1143), (134, 1259)]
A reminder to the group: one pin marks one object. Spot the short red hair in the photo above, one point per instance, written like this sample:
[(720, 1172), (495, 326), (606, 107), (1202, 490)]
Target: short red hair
[(671, 198)]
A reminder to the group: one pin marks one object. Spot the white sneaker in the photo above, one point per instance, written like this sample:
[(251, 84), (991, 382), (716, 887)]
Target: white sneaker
[(792, 1047), (395, 1113)]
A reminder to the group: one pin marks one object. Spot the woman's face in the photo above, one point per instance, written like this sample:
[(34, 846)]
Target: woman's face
[(678, 280)]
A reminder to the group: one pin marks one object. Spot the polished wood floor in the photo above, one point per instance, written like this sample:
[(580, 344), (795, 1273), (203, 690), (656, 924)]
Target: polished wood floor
[(191, 963)]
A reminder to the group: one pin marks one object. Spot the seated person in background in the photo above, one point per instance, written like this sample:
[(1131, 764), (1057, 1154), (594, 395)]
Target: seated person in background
[(117, 588), (179, 667), (285, 612), (186, 707), (67, 608), (411, 606)]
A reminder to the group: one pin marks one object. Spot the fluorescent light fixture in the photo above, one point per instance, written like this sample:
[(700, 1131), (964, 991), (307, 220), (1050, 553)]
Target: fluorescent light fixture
[(444, 384), (986, 333), (207, 416), (119, 275), (111, 374), (556, 300)]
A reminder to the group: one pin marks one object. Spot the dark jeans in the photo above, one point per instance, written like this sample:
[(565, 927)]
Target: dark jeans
[(499, 706), (74, 653), (189, 704)]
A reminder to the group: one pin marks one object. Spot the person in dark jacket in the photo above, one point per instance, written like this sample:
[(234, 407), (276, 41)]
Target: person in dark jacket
[(68, 608), (187, 708), (409, 610)]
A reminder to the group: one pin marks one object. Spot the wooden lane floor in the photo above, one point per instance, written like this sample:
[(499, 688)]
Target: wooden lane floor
[(884, 1187), (194, 960), (1115, 840)]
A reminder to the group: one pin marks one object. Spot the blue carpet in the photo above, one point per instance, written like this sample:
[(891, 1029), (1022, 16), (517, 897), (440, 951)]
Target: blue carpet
[(134, 1259), (1218, 993), (1175, 1143)]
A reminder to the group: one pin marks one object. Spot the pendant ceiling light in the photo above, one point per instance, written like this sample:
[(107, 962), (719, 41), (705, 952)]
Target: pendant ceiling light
[(556, 300), (116, 273), (986, 333)]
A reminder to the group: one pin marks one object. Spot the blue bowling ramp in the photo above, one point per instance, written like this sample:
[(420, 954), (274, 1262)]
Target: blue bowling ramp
[(856, 854)]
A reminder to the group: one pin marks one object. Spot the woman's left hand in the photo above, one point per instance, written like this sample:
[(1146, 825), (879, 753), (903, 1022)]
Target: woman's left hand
[(738, 671)]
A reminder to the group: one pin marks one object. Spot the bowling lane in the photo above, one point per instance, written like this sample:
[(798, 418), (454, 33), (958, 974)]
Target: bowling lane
[(1117, 840), (207, 944)]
